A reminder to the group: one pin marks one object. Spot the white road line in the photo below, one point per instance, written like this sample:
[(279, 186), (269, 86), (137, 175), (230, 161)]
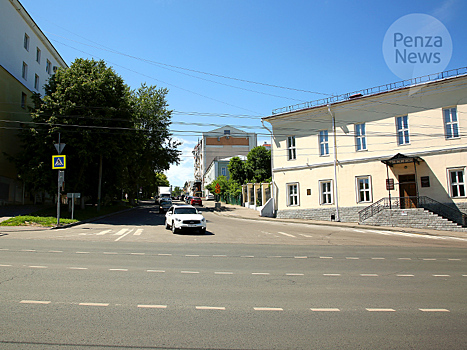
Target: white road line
[(124, 270), (153, 306), (192, 255), (300, 257), (361, 231), (378, 258), (223, 273), (34, 302), (78, 268), (138, 232), (124, 235), (82, 253), (331, 274), (164, 254), (189, 271), (304, 235), (295, 274), (4, 249), (326, 257), (405, 275), (247, 256), (103, 232), (429, 259), (137, 253), (380, 310), (404, 258), (93, 304), (260, 273), (220, 256), (369, 275), (434, 310), (1, 265), (352, 258), (287, 234), (27, 250), (55, 251), (268, 309), (209, 308), (37, 267), (110, 253), (325, 309), (160, 271), (441, 275), (121, 232)]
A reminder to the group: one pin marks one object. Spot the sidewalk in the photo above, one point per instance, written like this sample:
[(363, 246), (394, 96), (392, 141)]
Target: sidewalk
[(236, 211)]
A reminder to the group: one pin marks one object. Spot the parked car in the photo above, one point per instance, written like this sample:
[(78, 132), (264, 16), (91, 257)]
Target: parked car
[(210, 197), (196, 201), (164, 204), (184, 217)]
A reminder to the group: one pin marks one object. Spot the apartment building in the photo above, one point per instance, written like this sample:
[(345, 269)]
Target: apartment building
[(27, 60), (404, 142), (219, 143)]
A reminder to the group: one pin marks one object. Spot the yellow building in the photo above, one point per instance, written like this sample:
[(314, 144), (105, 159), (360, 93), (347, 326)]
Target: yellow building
[(27, 60), (398, 146)]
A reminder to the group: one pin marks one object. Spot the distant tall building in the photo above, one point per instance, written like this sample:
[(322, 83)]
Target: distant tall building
[(27, 60), (223, 142)]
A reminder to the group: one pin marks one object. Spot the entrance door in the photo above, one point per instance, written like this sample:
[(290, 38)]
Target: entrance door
[(408, 191)]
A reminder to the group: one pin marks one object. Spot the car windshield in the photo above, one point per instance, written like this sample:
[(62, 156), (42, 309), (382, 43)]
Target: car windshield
[(165, 201), (185, 211)]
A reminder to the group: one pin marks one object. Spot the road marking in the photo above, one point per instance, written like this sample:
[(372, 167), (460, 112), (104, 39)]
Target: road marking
[(268, 309), (1, 265), (209, 308), (55, 251), (260, 273), (326, 257), (103, 232), (223, 273), (78, 268), (360, 231), (161, 271), (191, 255), (434, 310), (287, 234), (118, 270), (247, 256), (153, 306), (325, 309), (5, 249), (27, 250), (300, 257), (378, 258), (429, 259), (380, 310), (295, 274), (219, 256), (369, 275), (189, 271), (304, 235), (123, 235), (331, 274), (34, 302), (82, 253), (352, 258), (164, 254), (138, 232), (121, 232), (454, 259), (441, 275), (405, 275), (111, 253), (137, 253), (93, 304), (37, 267), (404, 258)]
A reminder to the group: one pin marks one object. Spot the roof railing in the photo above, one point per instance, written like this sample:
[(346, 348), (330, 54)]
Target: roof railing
[(371, 91)]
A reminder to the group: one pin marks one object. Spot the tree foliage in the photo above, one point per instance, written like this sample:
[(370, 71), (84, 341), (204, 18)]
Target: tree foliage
[(258, 165), (237, 170), (101, 122)]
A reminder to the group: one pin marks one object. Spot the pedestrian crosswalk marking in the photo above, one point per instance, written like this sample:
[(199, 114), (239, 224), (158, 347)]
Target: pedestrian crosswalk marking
[(121, 232)]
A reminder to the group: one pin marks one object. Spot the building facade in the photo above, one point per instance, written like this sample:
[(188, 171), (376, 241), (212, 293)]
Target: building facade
[(219, 167), (223, 142), (27, 60), (334, 158)]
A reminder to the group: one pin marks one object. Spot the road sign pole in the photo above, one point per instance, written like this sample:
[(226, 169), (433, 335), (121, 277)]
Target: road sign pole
[(58, 200)]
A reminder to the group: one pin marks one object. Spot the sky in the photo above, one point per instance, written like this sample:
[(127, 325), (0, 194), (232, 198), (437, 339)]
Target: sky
[(231, 62)]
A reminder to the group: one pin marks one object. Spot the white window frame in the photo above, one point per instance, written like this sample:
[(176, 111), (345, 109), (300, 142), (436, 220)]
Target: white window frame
[(26, 42), (291, 148), (36, 82), (402, 130), (459, 185), (24, 71), (368, 198), (38, 55), (293, 199), (326, 197), (48, 67), (323, 138), (451, 128), (360, 137)]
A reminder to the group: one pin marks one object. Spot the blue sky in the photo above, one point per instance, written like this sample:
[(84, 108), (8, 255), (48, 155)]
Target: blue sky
[(325, 47)]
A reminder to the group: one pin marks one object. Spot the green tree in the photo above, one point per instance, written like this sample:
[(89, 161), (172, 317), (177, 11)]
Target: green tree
[(258, 164), (237, 170)]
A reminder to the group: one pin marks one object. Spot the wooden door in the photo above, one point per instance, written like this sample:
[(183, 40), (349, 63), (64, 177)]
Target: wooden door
[(408, 191)]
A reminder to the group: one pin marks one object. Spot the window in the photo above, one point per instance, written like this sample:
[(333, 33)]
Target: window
[(291, 150), (360, 137), (325, 192), (226, 132), (23, 100), (323, 143), (48, 67), (26, 42), (402, 125), (292, 194), (36, 82), (451, 125), (457, 185), (24, 72), (38, 55), (224, 171), (363, 189)]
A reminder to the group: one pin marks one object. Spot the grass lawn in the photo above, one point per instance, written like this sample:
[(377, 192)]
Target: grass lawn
[(48, 217)]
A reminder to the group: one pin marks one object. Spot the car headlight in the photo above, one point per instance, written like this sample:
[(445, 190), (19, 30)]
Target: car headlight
[(177, 219), (203, 219)]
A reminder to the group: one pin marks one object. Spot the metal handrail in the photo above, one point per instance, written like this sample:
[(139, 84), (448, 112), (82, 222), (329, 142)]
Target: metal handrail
[(374, 90), (450, 213)]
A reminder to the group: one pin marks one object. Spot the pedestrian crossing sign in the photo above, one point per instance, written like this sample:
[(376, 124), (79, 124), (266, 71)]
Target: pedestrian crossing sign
[(59, 162)]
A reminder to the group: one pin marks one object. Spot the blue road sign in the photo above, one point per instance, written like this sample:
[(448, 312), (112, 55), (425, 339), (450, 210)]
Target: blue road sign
[(59, 162)]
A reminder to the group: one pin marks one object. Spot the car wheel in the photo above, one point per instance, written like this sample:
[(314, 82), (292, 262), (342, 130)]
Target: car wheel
[(174, 230), (203, 230), (167, 226)]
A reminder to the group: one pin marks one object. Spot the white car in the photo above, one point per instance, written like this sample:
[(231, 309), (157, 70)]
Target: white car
[(180, 217)]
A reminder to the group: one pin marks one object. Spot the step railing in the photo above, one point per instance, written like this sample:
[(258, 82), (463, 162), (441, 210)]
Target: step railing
[(446, 211)]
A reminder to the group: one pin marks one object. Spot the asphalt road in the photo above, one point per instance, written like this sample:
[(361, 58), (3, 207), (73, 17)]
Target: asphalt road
[(127, 283)]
